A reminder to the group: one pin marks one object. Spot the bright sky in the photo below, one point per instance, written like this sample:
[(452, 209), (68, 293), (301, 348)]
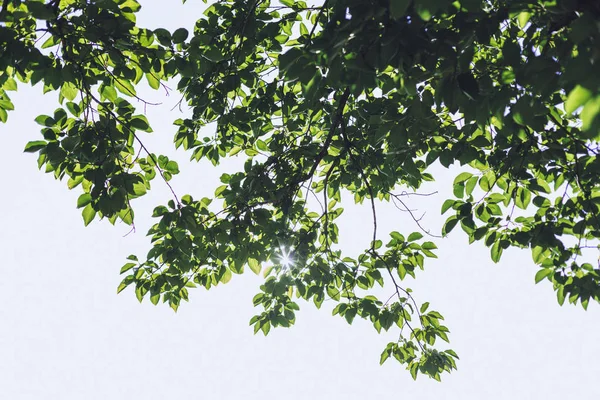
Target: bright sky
[(65, 333)]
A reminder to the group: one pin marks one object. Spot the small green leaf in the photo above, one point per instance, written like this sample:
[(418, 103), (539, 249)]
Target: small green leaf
[(124, 86), (108, 93), (10, 84), (140, 122), (590, 112), (124, 283), (69, 91), (88, 214), (429, 246), (254, 265), (220, 190), (226, 276), (414, 236), (523, 18), (34, 146), (127, 267), (84, 200), (155, 298), (180, 35), (172, 167), (350, 314), (384, 356), (560, 295), (470, 185), (39, 10), (153, 81), (139, 293), (449, 225), (126, 216), (45, 120), (139, 189), (160, 211), (542, 273), (398, 8), (463, 176), (577, 97), (261, 145), (537, 253), (496, 251), (447, 205)]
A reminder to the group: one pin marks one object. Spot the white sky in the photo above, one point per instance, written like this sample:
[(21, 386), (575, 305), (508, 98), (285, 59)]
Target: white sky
[(65, 334)]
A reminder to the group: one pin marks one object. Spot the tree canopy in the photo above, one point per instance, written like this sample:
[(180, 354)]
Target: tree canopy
[(340, 98)]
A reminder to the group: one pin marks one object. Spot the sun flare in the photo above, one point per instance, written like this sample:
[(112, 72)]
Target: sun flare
[(285, 258)]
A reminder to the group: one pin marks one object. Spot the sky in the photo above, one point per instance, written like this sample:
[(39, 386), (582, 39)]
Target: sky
[(66, 334)]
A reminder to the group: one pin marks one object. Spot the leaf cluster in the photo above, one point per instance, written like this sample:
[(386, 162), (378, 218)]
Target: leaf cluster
[(349, 96)]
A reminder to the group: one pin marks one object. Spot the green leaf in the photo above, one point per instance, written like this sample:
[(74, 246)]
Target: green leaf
[(163, 36), (254, 265), (155, 298), (220, 190), (172, 167), (523, 198), (542, 273), (577, 98), (10, 84), (470, 185), (523, 18), (384, 356), (462, 177), (429, 246), (6, 105), (287, 59), (180, 35), (45, 120), (140, 122), (84, 200), (226, 276), (124, 283), (496, 251), (127, 267), (88, 214), (69, 91), (414, 236), (40, 10), (560, 295), (537, 253), (35, 146), (108, 93), (398, 8), (447, 205), (449, 225), (469, 85), (139, 189), (589, 114), (125, 87), (261, 145), (350, 314), (126, 215), (153, 81)]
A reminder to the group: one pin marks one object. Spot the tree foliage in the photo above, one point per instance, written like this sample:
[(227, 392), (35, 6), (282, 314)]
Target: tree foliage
[(345, 97)]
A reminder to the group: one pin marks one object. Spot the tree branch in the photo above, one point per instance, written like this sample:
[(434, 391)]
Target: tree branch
[(337, 119)]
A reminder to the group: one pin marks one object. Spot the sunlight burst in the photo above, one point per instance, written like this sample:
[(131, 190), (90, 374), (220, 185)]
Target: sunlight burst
[(285, 258)]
